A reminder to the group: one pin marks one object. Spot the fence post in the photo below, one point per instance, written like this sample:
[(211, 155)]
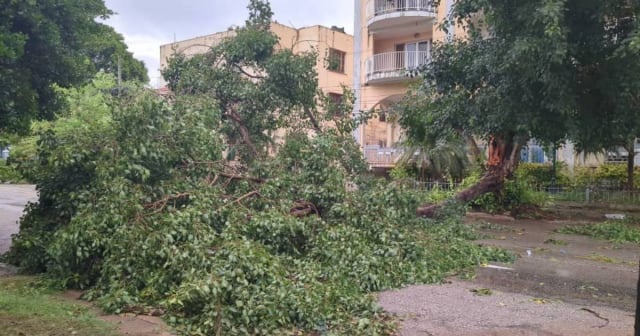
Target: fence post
[(587, 194)]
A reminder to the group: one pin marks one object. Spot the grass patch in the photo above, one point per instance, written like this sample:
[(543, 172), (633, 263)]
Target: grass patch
[(28, 309), (554, 241), (601, 258), (620, 231)]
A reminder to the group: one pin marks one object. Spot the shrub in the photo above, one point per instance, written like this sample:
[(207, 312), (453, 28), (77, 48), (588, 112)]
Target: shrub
[(9, 174), (606, 175), (619, 231), (542, 175)]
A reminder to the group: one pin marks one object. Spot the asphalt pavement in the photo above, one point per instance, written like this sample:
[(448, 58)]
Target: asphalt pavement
[(13, 199)]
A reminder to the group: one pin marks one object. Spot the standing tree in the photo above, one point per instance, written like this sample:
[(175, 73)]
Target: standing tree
[(611, 90), (527, 70), (107, 50), (48, 42)]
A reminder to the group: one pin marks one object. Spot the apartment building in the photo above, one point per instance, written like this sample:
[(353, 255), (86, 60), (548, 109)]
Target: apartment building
[(333, 45), (392, 38)]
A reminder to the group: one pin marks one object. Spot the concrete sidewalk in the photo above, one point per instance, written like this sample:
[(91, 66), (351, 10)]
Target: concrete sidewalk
[(13, 199)]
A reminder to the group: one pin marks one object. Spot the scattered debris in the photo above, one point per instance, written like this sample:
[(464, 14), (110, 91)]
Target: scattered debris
[(598, 316), (497, 267), (481, 291)]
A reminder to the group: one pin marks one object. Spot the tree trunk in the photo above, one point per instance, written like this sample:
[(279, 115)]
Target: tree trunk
[(631, 155), (504, 157)]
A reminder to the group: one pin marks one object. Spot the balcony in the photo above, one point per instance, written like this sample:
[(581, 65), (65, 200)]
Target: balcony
[(380, 157), (394, 67), (399, 14)]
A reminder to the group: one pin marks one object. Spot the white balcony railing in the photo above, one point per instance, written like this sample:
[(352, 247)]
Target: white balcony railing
[(382, 157), (395, 65), (382, 7)]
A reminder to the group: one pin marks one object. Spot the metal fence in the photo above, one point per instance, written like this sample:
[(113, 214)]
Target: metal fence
[(591, 194)]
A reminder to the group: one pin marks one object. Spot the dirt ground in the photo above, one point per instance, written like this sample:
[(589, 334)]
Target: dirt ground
[(127, 324), (560, 285)]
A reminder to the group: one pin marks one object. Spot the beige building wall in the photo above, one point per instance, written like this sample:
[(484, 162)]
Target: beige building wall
[(307, 39), (385, 30)]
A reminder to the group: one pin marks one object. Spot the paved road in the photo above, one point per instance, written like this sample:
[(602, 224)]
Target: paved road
[(13, 198)]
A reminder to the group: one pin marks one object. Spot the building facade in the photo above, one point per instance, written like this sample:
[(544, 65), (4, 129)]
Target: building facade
[(392, 38), (333, 45)]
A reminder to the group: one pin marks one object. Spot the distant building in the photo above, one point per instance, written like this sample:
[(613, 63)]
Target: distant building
[(333, 45)]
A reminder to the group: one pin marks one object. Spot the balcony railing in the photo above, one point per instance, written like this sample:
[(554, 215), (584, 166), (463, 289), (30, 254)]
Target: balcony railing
[(382, 157), (382, 7), (395, 66)]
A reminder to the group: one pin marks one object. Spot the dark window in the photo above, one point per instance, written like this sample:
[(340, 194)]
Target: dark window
[(336, 59), (335, 104)]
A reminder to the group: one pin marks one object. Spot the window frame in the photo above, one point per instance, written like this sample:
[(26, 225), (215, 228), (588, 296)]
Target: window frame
[(341, 56)]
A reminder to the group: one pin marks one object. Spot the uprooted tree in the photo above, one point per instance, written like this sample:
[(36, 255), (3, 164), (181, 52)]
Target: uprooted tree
[(527, 70)]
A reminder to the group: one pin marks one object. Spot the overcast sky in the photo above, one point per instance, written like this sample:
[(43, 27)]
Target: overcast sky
[(147, 24)]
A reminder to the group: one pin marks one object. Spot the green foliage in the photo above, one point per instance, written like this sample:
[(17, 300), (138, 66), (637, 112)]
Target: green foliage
[(49, 42), (400, 172), (148, 223), (436, 159), (140, 206), (550, 70), (613, 175), (542, 175), (517, 194), (619, 231), (9, 174)]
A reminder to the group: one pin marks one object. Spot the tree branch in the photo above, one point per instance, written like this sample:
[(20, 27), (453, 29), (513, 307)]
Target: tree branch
[(239, 67), (233, 114)]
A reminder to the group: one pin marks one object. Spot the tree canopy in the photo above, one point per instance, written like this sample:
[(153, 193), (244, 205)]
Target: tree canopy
[(48, 42), (535, 69)]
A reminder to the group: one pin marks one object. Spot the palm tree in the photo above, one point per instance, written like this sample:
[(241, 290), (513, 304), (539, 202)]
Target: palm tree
[(436, 158)]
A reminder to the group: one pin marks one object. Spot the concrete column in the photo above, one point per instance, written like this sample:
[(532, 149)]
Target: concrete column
[(358, 134), (451, 31)]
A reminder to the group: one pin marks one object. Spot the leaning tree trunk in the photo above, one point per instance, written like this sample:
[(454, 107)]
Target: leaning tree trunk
[(504, 156)]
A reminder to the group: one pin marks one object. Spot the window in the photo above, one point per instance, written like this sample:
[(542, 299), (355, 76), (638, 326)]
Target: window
[(382, 117), (414, 54), (335, 104), (335, 60)]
